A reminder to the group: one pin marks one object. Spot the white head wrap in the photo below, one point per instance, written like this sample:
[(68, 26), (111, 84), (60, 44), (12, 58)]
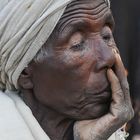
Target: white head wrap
[(108, 3), (25, 25)]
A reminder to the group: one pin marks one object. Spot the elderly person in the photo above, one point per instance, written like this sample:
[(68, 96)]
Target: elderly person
[(61, 76)]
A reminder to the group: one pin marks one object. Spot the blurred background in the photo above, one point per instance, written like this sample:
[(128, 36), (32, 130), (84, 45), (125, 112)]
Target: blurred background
[(127, 35)]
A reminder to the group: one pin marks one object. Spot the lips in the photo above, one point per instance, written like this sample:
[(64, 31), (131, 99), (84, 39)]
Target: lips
[(96, 104), (103, 96)]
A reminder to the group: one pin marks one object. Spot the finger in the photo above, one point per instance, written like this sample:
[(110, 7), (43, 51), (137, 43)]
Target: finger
[(117, 93), (121, 74), (120, 69)]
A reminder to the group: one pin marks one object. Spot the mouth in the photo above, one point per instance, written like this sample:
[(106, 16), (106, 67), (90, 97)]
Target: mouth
[(93, 104), (102, 96), (96, 104)]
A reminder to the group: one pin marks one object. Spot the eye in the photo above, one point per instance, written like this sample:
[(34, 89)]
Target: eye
[(107, 34), (107, 37), (78, 46)]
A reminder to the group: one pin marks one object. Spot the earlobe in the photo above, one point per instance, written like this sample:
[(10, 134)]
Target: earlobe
[(25, 80)]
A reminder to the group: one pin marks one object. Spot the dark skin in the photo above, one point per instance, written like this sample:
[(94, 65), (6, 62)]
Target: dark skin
[(69, 81), (120, 111)]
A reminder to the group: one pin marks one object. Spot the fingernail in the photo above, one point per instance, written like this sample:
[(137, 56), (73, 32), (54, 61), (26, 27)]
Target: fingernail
[(109, 70)]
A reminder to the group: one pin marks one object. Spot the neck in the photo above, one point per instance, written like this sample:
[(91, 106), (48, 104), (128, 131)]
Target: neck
[(56, 125)]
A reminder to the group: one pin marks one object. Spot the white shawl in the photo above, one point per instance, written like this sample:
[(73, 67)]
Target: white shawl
[(18, 123)]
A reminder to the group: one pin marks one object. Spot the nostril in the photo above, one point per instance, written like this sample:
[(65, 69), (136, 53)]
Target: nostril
[(102, 66), (105, 64)]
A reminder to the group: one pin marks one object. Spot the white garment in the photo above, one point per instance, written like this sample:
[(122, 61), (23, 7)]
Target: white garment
[(17, 121)]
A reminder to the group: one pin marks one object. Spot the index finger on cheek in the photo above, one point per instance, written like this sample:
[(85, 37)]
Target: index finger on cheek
[(117, 93), (120, 70), (121, 74)]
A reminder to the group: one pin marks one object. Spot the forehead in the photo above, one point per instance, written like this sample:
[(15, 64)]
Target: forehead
[(92, 11), (85, 4), (81, 15)]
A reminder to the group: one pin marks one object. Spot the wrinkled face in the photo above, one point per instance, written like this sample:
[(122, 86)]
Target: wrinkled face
[(71, 76)]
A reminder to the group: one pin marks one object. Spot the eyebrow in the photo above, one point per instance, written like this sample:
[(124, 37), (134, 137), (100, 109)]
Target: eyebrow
[(81, 26), (73, 27)]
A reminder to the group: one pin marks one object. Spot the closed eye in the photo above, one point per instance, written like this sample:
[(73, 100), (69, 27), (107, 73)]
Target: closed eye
[(107, 37), (78, 47)]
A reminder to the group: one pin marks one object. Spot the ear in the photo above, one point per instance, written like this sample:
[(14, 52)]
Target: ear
[(25, 79)]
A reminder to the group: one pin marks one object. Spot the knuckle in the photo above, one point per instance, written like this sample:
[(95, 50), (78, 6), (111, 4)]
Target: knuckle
[(118, 119), (125, 83), (118, 91), (117, 111), (119, 94), (123, 114), (126, 89), (129, 113)]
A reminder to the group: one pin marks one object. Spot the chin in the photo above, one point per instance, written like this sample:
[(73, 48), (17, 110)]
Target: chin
[(91, 111)]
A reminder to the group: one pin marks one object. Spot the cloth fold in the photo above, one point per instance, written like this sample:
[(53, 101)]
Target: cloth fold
[(25, 25), (17, 121)]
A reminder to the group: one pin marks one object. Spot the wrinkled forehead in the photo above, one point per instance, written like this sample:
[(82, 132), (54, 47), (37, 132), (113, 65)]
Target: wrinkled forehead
[(94, 11), (91, 7), (87, 3), (83, 14)]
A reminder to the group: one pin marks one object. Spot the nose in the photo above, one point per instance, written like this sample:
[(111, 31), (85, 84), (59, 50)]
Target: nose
[(105, 57)]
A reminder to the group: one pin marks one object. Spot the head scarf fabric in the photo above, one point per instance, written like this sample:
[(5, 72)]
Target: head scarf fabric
[(25, 25), (108, 3)]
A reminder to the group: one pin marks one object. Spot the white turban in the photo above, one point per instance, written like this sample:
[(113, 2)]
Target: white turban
[(25, 25)]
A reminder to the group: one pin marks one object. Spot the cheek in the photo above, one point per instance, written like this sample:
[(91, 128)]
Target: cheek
[(60, 84), (61, 78)]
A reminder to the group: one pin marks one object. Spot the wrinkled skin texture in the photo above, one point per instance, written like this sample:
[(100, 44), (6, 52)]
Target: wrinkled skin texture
[(120, 111), (67, 81), (72, 79)]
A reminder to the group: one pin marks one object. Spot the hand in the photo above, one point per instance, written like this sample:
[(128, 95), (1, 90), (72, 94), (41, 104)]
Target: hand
[(121, 110)]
